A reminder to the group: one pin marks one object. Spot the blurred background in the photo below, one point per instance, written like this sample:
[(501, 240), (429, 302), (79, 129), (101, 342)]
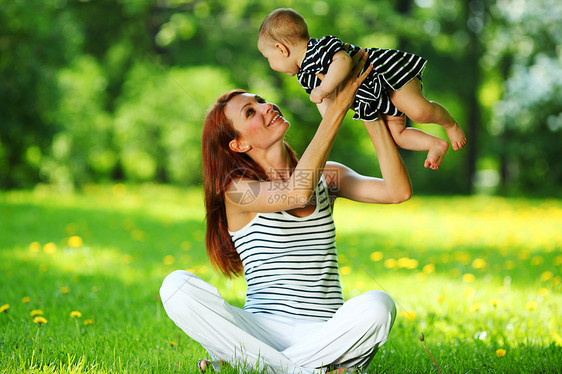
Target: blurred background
[(104, 91)]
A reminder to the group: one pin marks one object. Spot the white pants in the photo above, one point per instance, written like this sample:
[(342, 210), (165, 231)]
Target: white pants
[(278, 344)]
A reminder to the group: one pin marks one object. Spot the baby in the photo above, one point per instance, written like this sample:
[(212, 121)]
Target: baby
[(393, 88)]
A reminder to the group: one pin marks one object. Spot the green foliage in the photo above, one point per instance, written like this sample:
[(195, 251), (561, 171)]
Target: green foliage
[(470, 285), (71, 113), (159, 121)]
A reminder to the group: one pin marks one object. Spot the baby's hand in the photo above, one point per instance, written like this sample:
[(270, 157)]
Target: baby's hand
[(317, 95)]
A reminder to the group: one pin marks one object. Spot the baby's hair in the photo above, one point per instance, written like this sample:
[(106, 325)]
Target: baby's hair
[(284, 25)]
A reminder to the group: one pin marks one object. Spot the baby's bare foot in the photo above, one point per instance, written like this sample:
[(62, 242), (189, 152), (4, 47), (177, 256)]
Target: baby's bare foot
[(436, 154), (456, 136)]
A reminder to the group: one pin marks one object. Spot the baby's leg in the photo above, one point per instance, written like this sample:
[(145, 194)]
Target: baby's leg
[(410, 100), (417, 140)]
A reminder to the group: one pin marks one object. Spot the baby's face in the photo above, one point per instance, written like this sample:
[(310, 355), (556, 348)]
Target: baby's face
[(279, 59)]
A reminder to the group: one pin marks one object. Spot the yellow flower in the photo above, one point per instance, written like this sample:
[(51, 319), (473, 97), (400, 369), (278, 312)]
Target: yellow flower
[(376, 256), (64, 289), (35, 247), (185, 246), (50, 248), (429, 268), (345, 270), (494, 302), (75, 314), (440, 299), (469, 293), (36, 312), (546, 276), (509, 265), (468, 278), (537, 260), (39, 320), (4, 307), (390, 263), (169, 260), (75, 241), (531, 305), (479, 263), (543, 292), (25, 300), (88, 322), (173, 344), (500, 352), (410, 314), (475, 307)]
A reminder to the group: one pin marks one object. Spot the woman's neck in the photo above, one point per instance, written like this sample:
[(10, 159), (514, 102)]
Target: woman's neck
[(277, 163)]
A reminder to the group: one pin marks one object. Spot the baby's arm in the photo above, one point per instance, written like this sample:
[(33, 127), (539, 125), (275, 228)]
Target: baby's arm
[(339, 70)]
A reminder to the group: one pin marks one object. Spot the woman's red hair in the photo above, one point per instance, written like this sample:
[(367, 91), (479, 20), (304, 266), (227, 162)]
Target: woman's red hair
[(220, 166)]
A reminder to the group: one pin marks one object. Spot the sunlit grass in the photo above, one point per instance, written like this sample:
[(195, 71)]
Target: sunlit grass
[(479, 276)]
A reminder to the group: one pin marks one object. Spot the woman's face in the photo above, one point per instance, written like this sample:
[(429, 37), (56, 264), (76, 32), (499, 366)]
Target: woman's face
[(259, 124)]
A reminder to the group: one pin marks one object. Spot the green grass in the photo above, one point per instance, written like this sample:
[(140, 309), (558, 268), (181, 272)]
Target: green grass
[(474, 274)]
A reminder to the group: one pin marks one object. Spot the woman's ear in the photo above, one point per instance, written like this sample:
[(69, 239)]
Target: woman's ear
[(283, 49), (239, 146)]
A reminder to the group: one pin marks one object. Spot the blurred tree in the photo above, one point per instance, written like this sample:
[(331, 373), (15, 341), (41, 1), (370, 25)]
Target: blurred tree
[(88, 91), (524, 44), (36, 39)]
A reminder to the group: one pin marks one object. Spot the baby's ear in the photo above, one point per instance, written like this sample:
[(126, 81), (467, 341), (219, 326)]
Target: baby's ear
[(283, 49)]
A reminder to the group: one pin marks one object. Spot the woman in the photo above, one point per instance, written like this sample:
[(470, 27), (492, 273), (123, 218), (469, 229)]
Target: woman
[(269, 216)]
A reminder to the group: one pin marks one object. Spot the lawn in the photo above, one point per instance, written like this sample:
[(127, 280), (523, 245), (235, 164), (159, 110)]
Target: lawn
[(479, 276)]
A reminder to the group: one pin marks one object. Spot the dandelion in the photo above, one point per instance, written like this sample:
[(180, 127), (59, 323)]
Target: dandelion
[(422, 339), (543, 292), (440, 299), (476, 307), (39, 320), (25, 299), (126, 259), (75, 241), (376, 256), (75, 314), (185, 246), (65, 289), (408, 314), (345, 270), (479, 263), (36, 312), (500, 352), (88, 322), (172, 344), (169, 260), (35, 247), (50, 248), (468, 278), (509, 265), (546, 276), (4, 308), (531, 305), (558, 261), (429, 268), (494, 302), (537, 260), (469, 293), (390, 263)]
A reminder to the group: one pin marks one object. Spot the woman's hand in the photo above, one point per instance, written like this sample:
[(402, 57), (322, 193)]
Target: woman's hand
[(343, 95)]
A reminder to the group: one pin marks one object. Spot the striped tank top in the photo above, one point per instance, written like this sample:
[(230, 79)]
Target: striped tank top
[(290, 263)]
